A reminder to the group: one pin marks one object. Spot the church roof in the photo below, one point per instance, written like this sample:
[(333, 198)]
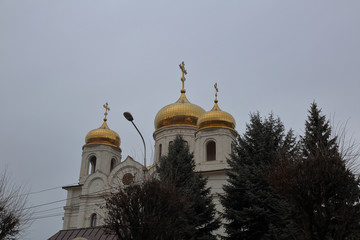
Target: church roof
[(91, 233)]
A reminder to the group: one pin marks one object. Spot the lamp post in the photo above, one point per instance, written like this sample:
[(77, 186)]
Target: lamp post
[(130, 118)]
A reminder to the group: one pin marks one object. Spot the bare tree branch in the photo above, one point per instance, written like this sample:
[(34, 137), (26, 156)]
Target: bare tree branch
[(14, 217)]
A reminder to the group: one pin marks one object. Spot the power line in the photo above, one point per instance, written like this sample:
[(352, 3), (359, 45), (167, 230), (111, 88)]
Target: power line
[(45, 204), (62, 214), (46, 216), (47, 210), (91, 194), (87, 207), (49, 203), (44, 190)]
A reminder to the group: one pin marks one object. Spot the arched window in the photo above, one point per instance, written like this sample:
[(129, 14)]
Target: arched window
[(93, 220), (186, 144), (112, 164), (92, 165), (160, 151), (210, 151)]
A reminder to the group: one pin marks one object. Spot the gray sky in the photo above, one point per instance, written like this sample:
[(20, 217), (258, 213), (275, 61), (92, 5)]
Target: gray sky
[(60, 61)]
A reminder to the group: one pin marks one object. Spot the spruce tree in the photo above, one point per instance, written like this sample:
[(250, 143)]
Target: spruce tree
[(318, 139), (252, 209), (323, 189), (178, 168)]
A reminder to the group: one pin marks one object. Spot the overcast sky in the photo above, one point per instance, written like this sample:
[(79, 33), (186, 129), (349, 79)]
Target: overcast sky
[(60, 61)]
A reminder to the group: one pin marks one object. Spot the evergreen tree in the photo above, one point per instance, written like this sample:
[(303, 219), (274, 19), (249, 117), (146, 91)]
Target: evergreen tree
[(318, 139), (325, 192), (252, 209), (178, 168)]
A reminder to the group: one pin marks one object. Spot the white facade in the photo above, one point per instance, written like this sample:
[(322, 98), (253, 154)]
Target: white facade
[(85, 200)]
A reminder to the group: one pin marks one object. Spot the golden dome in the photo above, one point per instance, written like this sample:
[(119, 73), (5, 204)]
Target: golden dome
[(103, 135), (216, 117), (182, 112)]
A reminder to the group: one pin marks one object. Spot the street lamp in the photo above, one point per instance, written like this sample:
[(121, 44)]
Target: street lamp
[(130, 118)]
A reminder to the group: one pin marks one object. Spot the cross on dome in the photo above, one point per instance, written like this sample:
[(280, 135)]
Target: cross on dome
[(106, 110), (216, 92), (184, 72)]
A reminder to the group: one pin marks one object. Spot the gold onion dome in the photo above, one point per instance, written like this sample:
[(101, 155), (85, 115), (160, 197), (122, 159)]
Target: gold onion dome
[(216, 117), (180, 113), (103, 135)]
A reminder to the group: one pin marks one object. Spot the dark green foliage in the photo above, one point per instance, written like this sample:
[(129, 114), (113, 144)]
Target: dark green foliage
[(178, 168), (327, 195), (153, 211), (323, 190), (317, 139), (252, 209)]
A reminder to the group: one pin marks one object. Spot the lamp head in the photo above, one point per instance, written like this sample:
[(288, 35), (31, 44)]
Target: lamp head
[(128, 116)]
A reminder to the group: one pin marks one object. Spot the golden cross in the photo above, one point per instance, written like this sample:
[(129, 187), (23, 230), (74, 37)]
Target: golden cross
[(216, 91), (106, 110), (184, 72)]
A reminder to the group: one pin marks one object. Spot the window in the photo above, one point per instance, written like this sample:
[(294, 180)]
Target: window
[(92, 165), (112, 164), (186, 144), (93, 220), (128, 179), (160, 151), (211, 151)]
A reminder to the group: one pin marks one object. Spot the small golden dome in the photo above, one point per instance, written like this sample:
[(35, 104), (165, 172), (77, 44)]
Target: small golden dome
[(216, 117), (103, 135), (182, 112)]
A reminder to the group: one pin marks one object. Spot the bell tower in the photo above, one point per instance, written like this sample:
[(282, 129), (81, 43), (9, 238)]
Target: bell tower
[(101, 151), (214, 138), (101, 154)]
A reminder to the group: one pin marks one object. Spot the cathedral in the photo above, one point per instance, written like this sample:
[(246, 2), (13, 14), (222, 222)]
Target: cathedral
[(209, 135)]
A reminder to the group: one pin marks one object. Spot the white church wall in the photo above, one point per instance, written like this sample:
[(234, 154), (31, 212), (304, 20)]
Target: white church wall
[(168, 134)]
